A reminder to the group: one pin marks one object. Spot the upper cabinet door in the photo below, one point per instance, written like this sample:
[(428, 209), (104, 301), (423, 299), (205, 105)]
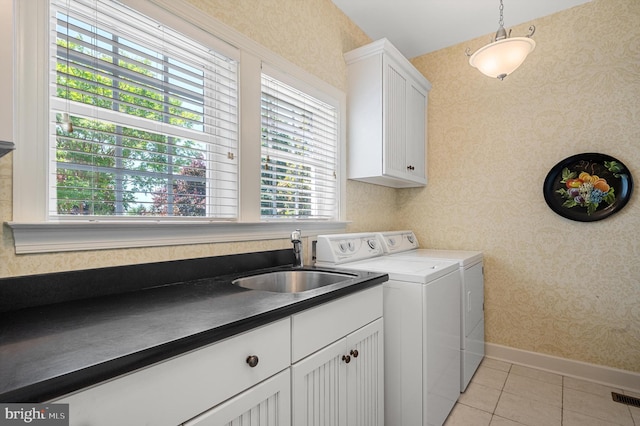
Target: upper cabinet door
[(394, 162), (417, 131)]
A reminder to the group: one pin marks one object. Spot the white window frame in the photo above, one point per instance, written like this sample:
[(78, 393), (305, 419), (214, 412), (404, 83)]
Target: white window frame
[(215, 144), (307, 90), (34, 233)]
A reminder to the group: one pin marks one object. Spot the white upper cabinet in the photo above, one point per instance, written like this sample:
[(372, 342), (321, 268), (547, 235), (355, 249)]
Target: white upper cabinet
[(387, 117)]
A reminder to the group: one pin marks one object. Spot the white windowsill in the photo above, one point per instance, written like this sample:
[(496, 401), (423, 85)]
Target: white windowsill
[(76, 236)]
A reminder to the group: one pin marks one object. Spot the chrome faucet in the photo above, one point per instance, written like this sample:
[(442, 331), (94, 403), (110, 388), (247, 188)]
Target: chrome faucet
[(296, 239)]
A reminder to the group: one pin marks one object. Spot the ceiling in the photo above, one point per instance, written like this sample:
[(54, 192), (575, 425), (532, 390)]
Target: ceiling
[(416, 27)]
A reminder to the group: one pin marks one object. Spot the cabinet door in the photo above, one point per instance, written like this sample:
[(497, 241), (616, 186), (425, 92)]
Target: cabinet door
[(319, 388), (395, 127), (266, 404), (365, 376), (416, 134)]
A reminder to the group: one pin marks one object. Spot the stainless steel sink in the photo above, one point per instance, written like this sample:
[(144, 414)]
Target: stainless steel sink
[(293, 281)]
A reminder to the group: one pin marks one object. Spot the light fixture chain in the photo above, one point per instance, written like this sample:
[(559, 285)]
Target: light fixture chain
[(501, 22)]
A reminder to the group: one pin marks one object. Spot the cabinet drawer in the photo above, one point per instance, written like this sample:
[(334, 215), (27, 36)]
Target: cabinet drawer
[(176, 390), (316, 328), (267, 404)]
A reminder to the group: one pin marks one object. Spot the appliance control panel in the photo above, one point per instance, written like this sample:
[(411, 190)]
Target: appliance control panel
[(398, 241), (342, 248)]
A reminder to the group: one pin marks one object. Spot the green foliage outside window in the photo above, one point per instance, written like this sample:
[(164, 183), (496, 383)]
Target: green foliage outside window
[(108, 169)]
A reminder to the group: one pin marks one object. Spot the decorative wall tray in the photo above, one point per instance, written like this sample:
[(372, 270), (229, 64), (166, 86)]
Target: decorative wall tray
[(588, 187)]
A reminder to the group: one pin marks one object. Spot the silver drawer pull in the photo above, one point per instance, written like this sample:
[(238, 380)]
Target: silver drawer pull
[(252, 360)]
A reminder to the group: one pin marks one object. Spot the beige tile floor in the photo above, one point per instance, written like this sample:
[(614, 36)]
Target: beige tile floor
[(503, 394)]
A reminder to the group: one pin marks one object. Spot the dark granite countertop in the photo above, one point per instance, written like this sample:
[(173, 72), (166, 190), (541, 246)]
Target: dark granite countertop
[(61, 343)]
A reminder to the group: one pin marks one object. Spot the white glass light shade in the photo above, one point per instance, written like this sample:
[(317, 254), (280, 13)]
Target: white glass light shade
[(502, 57)]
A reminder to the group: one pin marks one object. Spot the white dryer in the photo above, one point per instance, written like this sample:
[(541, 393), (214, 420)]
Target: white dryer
[(404, 244), (421, 326)]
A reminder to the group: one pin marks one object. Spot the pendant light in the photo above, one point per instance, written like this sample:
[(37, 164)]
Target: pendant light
[(503, 55)]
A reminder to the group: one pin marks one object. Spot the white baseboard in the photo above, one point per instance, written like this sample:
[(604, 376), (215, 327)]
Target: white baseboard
[(613, 377)]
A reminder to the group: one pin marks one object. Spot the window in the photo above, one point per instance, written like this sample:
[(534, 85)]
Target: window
[(299, 154), (166, 129), (145, 119)]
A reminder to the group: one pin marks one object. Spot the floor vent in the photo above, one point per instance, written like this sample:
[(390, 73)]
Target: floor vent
[(626, 399)]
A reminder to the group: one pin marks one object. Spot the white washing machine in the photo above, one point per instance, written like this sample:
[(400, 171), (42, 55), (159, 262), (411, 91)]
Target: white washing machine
[(404, 244), (421, 326)]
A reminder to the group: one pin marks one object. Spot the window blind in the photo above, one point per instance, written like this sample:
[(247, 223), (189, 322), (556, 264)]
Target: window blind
[(153, 114), (299, 154)]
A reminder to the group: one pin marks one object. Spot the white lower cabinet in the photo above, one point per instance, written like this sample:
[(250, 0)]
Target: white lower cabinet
[(341, 384), (266, 404), (322, 366)]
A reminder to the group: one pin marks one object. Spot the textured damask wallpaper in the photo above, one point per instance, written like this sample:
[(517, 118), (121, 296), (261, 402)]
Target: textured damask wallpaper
[(553, 285)]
